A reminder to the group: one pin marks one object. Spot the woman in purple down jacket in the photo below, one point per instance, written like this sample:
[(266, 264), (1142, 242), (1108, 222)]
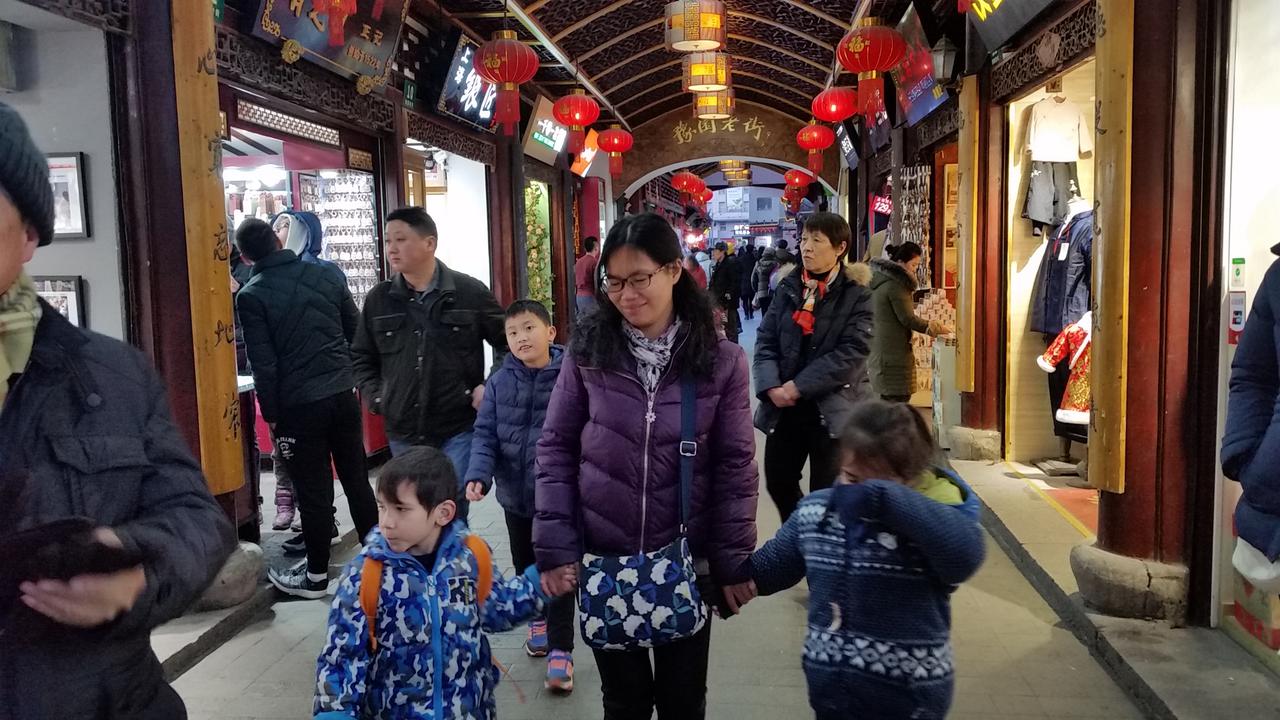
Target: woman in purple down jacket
[(608, 470)]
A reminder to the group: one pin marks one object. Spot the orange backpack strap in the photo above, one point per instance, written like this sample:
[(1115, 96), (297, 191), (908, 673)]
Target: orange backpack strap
[(370, 589), (484, 563)]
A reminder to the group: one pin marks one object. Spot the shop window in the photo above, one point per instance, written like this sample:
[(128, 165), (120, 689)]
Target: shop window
[(764, 204)]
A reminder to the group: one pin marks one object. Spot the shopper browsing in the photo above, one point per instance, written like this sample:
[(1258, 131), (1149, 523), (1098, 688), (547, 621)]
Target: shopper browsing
[(504, 450), (883, 550), (407, 629)]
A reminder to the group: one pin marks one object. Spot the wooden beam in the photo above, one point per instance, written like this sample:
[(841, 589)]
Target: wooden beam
[(644, 74), (773, 23), (617, 38), (589, 19), (818, 13), (784, 51)]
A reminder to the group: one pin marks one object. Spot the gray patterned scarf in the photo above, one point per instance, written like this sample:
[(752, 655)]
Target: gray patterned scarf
[(652, 355)]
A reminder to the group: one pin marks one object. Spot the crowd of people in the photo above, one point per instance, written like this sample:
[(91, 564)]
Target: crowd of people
[(624, 463)]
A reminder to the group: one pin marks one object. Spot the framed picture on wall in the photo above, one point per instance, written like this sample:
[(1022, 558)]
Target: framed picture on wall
[(65, 293), (70, 201)]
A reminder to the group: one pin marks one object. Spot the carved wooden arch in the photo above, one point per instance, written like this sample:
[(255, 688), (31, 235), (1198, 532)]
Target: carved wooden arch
[(1074, 37), (435, 132)]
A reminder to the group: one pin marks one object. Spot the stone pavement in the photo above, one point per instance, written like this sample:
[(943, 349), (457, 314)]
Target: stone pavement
[(1013, 660)]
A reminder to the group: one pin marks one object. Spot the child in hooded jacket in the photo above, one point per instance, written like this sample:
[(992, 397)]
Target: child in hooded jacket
[(882, 550)]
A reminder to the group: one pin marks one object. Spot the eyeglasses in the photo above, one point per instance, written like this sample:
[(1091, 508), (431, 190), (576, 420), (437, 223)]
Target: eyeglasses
[(639, 281)]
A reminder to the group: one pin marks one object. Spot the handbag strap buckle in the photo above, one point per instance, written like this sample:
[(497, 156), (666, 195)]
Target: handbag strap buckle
[(688, 448)]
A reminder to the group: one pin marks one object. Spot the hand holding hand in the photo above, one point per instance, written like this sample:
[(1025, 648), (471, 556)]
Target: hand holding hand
[(737, 596), (477, 397), (560, 581), (780, 398), (475, 491), (792, 391), (87, 601)]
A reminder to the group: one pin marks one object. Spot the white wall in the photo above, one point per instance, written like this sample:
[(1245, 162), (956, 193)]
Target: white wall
[(462, 219), (67, 106), (1252, 194)]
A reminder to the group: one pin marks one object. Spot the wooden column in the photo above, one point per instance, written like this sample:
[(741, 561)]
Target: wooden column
[(207, 245), (967, 240)]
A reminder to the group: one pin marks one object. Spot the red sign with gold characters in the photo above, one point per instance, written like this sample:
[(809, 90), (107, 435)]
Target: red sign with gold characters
[(353, 38)]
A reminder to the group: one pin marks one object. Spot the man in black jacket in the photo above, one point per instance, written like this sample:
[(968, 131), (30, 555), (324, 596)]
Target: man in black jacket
[(419, 353), (298, 321), (725, 286), (86, 431)]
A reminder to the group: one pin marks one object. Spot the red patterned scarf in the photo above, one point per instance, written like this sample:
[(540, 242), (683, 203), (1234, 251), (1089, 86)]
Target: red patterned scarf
[(814, 291)]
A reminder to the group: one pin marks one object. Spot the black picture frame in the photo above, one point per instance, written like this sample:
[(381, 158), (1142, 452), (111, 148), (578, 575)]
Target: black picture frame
[(65, 293), (70, 195)]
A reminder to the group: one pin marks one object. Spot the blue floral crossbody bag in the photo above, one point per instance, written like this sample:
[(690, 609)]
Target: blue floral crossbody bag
[(647, 600)]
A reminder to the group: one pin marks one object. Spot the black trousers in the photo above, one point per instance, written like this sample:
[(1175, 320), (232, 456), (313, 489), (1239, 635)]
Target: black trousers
[(800, 436), (560, 611), (672, 678), (748, 309), (310, 437), (764, 304)]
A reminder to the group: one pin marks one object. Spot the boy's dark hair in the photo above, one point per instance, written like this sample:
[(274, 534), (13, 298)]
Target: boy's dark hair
[(256, 239), (589, 243), (834, 227), (416, 218), (427, 469), (890, 436), (533, 307)]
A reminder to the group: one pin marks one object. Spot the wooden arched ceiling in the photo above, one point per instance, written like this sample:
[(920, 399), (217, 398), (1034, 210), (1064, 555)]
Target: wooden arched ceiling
[(782, 49)]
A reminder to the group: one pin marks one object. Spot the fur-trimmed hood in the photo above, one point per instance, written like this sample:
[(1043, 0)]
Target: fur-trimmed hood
[(887, 271), (856, 273)]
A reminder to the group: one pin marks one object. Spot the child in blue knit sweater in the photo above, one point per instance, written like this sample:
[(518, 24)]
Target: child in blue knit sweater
[(883, 550)]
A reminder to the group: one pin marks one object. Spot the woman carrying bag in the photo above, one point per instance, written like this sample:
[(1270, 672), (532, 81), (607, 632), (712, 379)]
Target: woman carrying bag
[(646, 477)]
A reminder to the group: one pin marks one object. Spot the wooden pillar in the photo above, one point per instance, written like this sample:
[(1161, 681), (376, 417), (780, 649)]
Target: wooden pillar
[(207, 245), (967, 235)]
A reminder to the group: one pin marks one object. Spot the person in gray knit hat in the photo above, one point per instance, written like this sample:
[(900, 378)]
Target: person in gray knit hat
[(107, 527)]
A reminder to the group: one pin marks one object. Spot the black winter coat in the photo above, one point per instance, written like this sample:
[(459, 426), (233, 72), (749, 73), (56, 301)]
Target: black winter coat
[(1062, 295), (417, 361), (89, 424), (298, 321), (833, 373)]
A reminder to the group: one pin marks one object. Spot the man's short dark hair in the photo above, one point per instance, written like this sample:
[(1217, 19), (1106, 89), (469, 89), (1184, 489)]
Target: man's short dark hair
[(256, 239), (416, 218), (782, 244), (427, 470), (722, 247), (589, 243), (533, 307), (834, 227)]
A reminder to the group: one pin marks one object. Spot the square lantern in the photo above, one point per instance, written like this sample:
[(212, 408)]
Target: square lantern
[(695, 25)]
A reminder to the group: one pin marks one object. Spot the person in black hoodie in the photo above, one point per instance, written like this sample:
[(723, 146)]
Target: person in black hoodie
[(86, 432), (298, 319), (725, 286)]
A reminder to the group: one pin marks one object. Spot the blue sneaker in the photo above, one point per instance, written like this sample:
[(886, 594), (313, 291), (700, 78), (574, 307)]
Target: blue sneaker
[(537, 644), (560, 672)]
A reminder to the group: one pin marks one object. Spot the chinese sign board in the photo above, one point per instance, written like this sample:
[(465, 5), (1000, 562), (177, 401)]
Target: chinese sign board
[(918, 92), (998, 20), (465, 95), (544, 138), (582, 164), (356, 39), (847, 137), (753, 128)]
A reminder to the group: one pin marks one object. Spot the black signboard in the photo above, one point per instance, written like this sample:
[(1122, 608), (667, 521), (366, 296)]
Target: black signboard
[(354, 38), (465, 96), (998, 20), (848, 137)]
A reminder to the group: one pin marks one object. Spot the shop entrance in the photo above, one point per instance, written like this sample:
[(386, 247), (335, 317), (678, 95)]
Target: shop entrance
[(1048, 251)]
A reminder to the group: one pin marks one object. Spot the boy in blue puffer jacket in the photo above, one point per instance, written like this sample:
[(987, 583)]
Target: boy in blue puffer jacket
[(407, 630), (505, 447), (882, 557)]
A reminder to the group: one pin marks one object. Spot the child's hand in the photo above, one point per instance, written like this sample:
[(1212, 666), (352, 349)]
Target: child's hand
[(736, 596), (560, 581), (475, 491)]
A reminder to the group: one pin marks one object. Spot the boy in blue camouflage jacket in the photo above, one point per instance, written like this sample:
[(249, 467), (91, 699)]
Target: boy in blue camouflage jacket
[(430, 591)]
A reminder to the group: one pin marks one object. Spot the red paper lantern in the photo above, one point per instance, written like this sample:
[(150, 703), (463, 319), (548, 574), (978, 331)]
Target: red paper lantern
[(798, 179), (835, 104), (684, 181), (615, 141), (577, 111), (871, 48), (815, 138), (706, 195), (506, 62)]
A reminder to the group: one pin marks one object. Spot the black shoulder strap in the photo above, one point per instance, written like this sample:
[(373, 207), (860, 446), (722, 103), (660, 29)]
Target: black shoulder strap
[(688, 445)]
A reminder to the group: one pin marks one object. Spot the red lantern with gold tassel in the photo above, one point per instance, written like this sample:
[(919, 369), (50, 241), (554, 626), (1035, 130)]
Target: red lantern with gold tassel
[(506, 62), (683, 182), (870, 51), (615, 141), (576, 111), (705, 197), (835, 104), (338, 11), (798, 179), (815, 138)]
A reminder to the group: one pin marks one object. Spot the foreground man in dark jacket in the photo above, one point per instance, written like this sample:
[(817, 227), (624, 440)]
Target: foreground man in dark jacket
[(419, 354), (85, 431), (298, 318)]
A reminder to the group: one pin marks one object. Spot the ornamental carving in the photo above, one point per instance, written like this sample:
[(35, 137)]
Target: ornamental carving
[(109, 15), (430, 132), (938, 125), (1071, 39), (259, 66), (542, 172)]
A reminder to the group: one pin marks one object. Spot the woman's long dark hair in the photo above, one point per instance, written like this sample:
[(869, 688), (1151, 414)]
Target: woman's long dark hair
[(599, 339)]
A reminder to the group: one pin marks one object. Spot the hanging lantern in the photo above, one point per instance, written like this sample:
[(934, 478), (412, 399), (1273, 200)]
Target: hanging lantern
[(815, 138), (615, 141), (713, 105), (733, 165), (798, 179), (695, 25), (870, 95), (697, 186), (506, 62), (683, 181), (705, 72), (338, 12), (835, 104), (870, 51), (576, 110), (705, 196)]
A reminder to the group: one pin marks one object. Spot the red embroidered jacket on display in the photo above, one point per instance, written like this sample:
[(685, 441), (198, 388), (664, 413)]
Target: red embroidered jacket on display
[(1074, 342)]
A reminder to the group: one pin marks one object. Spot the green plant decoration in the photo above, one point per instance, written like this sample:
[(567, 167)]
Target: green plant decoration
[(538, 248)]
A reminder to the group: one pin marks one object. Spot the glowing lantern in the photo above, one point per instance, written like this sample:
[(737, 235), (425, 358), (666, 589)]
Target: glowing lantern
[(870, 51), (684, 181), (695, 25), (798, 179), (577, 111), (506, 62), (615, 141), (815, 138), (705, 72), (835, 104), (713, 105)]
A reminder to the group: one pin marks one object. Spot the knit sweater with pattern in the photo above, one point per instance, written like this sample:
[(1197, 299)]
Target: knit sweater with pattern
[(882, 561)]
